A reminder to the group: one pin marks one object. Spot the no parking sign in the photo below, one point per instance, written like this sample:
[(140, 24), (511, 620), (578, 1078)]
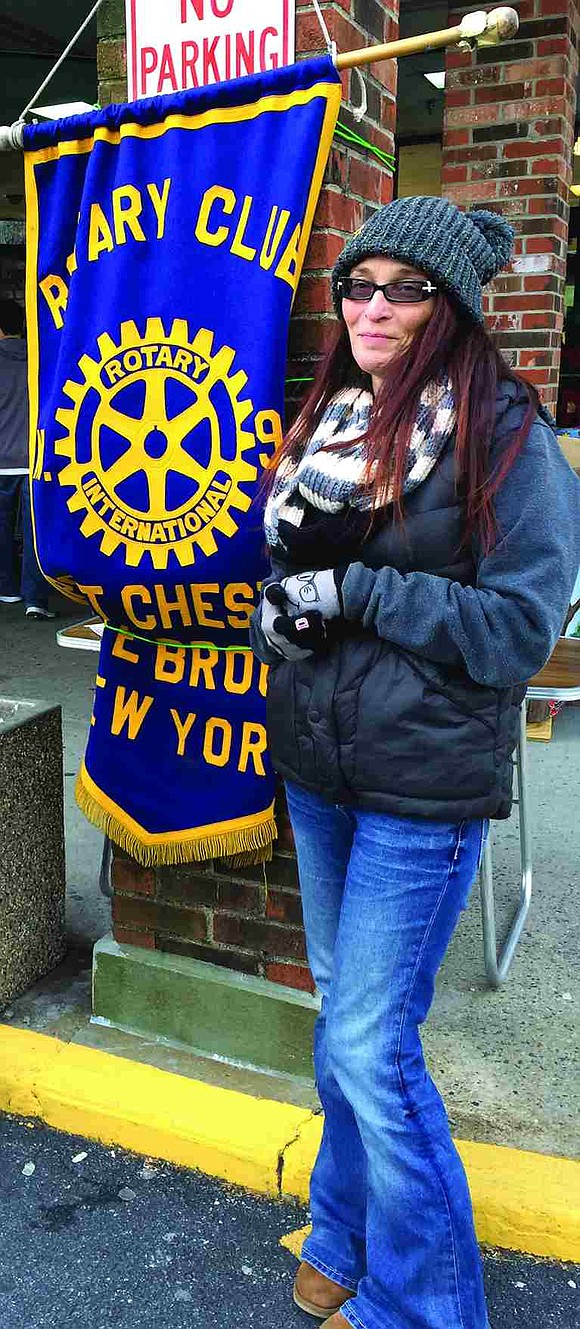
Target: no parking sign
[(191, 43)]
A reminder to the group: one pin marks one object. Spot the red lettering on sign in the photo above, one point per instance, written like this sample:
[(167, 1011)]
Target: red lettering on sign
[(268, 61), (219, 9), (148, 64), (167, 70), (244, 53), (225, 54), (189, 59), (198, 8), (209, 60)]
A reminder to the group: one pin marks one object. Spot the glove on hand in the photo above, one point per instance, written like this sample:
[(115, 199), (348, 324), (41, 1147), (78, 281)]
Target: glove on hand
[(279, 630), (307, 632), (319, 591)]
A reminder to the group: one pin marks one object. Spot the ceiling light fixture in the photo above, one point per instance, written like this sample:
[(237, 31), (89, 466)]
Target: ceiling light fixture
[(437, 79)]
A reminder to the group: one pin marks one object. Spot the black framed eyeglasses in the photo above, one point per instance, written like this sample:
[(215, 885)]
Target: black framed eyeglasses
[(408, 291)]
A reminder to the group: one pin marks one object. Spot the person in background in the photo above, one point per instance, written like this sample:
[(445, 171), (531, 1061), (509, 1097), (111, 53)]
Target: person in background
[(424, 534), (25, 582)]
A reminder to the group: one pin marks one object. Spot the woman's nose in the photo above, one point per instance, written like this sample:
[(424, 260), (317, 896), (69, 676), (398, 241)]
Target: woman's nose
[(378, 307)]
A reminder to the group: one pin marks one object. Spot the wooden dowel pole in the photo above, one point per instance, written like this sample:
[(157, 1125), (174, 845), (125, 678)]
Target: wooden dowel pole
[(368, 55), (476, 29)]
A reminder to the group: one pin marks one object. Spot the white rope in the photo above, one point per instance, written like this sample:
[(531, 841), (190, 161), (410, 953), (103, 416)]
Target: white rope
[(357, 112), (12, 136), (60, 60), (330, 45)]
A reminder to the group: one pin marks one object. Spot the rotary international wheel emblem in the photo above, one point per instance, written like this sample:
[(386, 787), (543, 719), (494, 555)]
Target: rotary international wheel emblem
[(154, 443)]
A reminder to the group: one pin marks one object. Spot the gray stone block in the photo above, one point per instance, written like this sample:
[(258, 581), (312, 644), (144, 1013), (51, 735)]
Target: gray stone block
[(215, 1012), (32, 863)]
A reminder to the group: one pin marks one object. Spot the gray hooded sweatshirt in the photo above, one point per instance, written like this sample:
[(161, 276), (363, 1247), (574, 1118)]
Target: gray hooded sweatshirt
[(13, 406)]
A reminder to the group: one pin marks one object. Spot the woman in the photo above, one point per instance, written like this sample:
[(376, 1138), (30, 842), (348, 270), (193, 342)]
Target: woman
[(424, 534)]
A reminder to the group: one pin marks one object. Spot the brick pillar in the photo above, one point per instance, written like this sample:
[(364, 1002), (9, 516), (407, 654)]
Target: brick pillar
[(246, 919), (112, 52), (250, 919), (355, 181), (507, 146)]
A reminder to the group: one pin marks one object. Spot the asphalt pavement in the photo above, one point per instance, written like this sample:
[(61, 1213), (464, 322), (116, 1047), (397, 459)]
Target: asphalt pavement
[(95, 1236)]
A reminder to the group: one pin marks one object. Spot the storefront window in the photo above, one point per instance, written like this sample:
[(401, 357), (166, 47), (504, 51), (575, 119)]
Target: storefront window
[(568, 411)]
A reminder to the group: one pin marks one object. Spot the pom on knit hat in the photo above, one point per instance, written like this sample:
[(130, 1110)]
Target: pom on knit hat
[(499, 236), (460, 251)]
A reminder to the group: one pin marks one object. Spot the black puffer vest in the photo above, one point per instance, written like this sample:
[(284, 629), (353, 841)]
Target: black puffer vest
[(376, 726)]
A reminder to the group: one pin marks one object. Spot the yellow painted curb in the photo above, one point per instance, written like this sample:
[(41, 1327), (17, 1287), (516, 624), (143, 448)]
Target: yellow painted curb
[(522, 1201), (221, 1132), (294, 1241)]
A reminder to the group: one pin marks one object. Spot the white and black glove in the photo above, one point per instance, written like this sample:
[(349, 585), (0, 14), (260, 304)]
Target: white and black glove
[(289, 637), (318, 591)]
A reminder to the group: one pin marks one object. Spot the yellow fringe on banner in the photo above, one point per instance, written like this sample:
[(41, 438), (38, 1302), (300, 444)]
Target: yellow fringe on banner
[(242, 846)]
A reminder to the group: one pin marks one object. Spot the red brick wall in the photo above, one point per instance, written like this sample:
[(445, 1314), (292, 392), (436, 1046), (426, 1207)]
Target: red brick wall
[(248, 919), (509, 133)]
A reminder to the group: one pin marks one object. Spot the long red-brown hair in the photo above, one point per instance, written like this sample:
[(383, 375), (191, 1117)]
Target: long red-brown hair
[(450, 345)]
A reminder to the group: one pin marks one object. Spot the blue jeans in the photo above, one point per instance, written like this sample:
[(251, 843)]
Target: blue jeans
[(29, 583), (391, 1212)]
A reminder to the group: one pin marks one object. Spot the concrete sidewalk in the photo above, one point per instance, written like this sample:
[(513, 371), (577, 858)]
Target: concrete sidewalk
[(505, 1062)]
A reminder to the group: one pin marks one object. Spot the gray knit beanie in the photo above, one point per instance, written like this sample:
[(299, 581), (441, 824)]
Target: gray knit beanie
[(460, 251)]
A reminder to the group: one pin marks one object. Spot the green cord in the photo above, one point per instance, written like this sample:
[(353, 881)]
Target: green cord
[(386, 158), (181, 645)]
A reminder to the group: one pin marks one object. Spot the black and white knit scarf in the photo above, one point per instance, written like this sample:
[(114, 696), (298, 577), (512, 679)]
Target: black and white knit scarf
[(332, 479)]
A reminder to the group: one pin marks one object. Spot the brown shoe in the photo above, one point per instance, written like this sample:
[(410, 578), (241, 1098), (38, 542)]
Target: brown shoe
[(336, 1322), (318, 1295)]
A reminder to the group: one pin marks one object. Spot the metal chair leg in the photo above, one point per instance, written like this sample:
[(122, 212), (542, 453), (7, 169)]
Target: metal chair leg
[(497, 966), (105, 885)]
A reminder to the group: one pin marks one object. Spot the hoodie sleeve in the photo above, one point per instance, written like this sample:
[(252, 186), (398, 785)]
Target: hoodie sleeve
[(503, 629)]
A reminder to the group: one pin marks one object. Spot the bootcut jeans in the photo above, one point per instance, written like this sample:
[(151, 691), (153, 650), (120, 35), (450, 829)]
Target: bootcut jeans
[(391, 1211)]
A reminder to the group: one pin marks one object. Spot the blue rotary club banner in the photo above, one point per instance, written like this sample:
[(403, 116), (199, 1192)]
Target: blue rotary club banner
[(165, 241)]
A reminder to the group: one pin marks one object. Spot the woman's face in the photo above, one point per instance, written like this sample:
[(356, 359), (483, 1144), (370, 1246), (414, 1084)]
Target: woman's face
[(380, 330)]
